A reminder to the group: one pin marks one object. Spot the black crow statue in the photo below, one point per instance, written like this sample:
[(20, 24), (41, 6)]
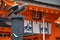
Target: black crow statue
[(16, 8)]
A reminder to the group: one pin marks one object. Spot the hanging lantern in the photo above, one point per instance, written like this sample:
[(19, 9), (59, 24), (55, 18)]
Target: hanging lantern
[(36, 15), (0, 3), (58, 20)]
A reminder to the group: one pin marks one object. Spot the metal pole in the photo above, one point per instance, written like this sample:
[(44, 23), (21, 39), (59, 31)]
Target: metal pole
[(43, 29)]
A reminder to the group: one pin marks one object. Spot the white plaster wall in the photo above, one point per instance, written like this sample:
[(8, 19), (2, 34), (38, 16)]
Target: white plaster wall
[(25, 24), (36, 28)]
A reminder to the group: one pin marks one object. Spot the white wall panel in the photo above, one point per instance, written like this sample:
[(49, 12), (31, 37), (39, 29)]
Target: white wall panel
[(36, 28), (27, 23), (49, 25)]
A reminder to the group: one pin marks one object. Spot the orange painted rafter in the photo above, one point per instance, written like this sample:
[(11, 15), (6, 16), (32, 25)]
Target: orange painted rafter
[(10, 3), (47, 10), (5, 30)]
